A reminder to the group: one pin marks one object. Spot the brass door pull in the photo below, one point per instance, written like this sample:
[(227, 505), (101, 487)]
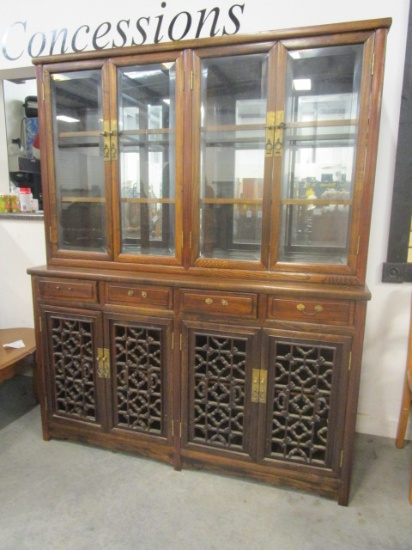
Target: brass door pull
[(317, 309)]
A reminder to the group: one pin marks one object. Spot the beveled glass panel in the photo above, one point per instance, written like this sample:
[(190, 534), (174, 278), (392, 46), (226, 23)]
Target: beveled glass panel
[(319, 153), (79, 160), (232, 156), (146, 109)]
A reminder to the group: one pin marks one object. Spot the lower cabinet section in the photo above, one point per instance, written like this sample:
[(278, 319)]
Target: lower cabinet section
[(107, 380), (288, 414), (247, 396)]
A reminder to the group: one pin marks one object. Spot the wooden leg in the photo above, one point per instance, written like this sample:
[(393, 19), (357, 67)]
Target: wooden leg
[(404, 414)]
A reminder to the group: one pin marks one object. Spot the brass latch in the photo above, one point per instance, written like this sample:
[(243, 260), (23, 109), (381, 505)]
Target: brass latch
[(103, 363), (274, 133), (259, 385), (110, 140)]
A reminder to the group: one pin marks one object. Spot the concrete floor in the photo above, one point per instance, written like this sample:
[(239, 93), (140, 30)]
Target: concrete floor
[(63, 495)]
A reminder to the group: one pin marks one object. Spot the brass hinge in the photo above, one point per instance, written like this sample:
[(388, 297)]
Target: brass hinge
[(40, 324), (259, 385), (357, 246), (173, 341), (103, 363), (180, 343), (192, 80), (350, 361), (341, 458), (113, 140), (373, 65), (190, 240), (106, 140), (180, 430), (274, 133), (183, 239)]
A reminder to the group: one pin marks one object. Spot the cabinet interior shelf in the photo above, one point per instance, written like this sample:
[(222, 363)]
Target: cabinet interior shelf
[(150, 200), (231, 201), (317, 202), (83, 199)]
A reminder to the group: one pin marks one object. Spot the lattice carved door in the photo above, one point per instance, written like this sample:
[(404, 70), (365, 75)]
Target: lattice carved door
[(217, 407), (304, 412), (140, 389), (75, 390)]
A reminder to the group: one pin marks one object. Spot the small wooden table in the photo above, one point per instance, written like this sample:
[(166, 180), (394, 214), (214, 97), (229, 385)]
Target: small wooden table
[(12, 361)]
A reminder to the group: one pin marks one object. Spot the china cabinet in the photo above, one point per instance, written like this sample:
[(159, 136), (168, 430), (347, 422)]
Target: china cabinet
[(207, 210)]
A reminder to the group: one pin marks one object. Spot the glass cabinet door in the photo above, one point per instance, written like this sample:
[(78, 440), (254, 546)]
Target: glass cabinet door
[(320, 131), (232, 156), (77, 122), (146, 117)]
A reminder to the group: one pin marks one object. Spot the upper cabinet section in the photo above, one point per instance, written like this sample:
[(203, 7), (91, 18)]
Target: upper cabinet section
[(255, 154)]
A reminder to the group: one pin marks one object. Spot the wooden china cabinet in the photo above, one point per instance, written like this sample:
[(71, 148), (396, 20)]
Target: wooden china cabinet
[(207, 212)]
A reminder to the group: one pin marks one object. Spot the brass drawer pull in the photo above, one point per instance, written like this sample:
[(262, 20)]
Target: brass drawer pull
[(225, 302), (130, 293), (316, 309), (208, 301), (144, 294)]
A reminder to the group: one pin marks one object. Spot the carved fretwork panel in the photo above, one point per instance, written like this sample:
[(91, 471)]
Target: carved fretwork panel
[(300, 383), (218, 367), (138, 370), (71, 359)]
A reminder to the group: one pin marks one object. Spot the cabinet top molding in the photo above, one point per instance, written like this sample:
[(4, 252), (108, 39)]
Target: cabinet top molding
[(198, 43)]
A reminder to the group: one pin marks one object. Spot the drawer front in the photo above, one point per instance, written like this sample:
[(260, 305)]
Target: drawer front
[(311, 310), (64, 289), (139, 295), (225, 304)]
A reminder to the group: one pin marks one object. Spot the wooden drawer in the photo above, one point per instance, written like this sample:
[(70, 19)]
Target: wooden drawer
[(156, 297), (225, 304), (66, 289), (333, 312)]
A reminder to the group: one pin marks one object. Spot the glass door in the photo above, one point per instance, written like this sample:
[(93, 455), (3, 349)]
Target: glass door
[(230, 168), (148, 185), (78, 160), (320, 129)]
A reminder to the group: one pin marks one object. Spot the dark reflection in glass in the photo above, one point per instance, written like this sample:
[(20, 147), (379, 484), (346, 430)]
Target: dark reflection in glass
[(320, 135), (147, 158), (79, 162), (233, 115)]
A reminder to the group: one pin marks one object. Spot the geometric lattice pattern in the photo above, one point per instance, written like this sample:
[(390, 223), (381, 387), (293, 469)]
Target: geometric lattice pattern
[(138, 368), (301, 402), (218, 391), (72, 358)]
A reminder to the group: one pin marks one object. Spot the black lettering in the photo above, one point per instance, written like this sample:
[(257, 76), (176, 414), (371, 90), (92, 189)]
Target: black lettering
[(121, 33), (6, 54), (74, 39), (157, 37), (141, 30), (173, 21), (234, 19), (106, 26), (202, 21), (42, 44), (55, 37)]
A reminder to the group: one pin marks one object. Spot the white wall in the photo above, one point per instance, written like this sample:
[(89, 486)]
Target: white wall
[(388, 312), (22, 245)]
